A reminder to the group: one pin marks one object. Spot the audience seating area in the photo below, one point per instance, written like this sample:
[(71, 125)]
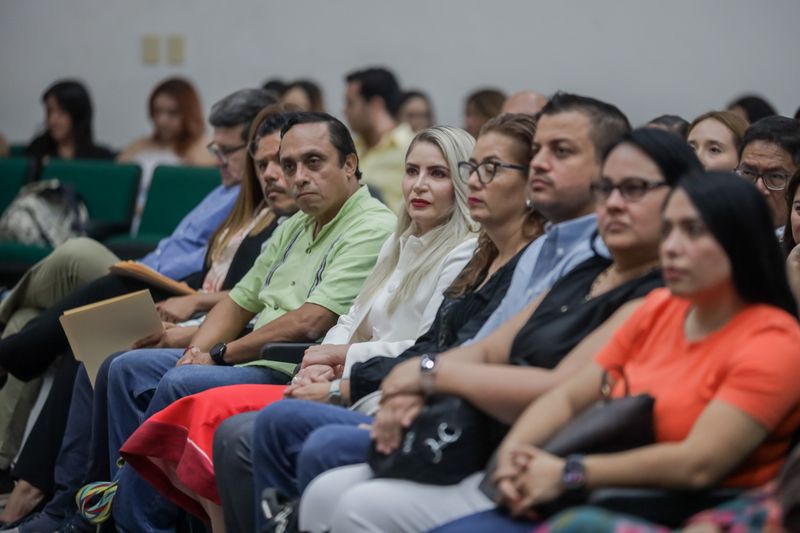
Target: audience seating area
[(109, 191)]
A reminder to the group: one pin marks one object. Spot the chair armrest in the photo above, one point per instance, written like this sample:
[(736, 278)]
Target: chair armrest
[(665, 507), (284, 352)]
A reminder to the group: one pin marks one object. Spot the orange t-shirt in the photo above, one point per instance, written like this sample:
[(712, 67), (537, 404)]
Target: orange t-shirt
[(751, 363)]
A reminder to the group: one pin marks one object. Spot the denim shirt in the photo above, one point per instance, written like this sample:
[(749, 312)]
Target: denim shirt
[(562, 247), (183, 252)]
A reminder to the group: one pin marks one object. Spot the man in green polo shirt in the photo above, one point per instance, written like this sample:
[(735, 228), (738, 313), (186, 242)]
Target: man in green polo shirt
[(309, 274)]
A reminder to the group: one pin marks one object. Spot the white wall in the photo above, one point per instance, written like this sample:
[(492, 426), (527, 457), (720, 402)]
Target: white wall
[(647, 56)]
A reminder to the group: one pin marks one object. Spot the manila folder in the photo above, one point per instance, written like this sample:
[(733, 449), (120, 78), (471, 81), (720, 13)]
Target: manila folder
[(97, 330)]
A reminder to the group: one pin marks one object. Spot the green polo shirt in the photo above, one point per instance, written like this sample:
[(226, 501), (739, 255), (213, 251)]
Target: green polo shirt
[(326, 270)]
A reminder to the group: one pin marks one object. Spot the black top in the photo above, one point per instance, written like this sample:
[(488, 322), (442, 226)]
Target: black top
[(43, 146), (565, 316), (456, 321)]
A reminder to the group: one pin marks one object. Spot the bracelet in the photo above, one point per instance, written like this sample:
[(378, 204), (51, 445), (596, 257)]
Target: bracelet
[(189, 348)]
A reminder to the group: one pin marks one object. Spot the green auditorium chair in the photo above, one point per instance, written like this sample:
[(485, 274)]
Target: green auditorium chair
[(174, 191)]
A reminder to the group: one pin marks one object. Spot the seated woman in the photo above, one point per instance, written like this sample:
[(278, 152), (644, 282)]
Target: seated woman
[(176, 113), (263, 200), (715, 137), (305, 95), (481, 106), (68, 133), (416, 110), (791, 234), (430, 246), (531, 353), (717, 350), (504, 152)]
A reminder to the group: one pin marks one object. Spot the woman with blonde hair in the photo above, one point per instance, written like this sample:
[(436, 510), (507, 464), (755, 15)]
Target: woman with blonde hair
[(432, 242)]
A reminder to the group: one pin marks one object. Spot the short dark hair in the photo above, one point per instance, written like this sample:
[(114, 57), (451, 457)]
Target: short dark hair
[(339, 134), (240, 108), (783, 131), (377, 81), (274, 85), (414, 93), (738, 217), (671, 154), (674, 123), (755, 107), (606, 122)]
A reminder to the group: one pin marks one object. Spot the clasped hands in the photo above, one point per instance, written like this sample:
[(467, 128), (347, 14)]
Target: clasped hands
[(321, 364), (526, 476)]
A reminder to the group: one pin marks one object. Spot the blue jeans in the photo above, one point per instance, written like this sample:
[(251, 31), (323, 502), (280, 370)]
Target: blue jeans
[(286, 457), (141, 383), (493, 520)]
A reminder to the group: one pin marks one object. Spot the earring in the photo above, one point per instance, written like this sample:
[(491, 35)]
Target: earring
[(528, 204)]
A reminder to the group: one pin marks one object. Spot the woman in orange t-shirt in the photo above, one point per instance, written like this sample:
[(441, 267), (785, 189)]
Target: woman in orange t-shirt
[(719, 350)]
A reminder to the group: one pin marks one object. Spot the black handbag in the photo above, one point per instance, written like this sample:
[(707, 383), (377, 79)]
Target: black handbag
[(611, 425), (448, 441)]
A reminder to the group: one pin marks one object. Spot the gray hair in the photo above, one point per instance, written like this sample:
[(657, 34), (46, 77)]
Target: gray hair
[(240, 108)]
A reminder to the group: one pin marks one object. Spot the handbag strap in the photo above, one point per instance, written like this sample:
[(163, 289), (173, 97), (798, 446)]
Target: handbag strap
[(606, 386)]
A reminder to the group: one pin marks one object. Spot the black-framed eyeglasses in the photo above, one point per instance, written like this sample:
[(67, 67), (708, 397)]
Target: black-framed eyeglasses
[(774, 181), (631, 189), (223, 152), (486, 170)]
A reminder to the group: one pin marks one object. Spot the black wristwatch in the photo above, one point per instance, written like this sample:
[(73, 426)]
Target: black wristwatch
[(573, 478), (217, 353)]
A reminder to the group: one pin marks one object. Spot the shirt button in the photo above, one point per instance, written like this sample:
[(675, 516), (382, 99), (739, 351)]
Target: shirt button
[(293, 284), (564, 308), (275, 307), (560, 251), (308, 250)]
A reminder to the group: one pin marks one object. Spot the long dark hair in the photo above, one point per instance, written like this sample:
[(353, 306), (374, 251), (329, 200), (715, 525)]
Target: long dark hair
[(788, 242), (738, 217), (73, 97), (673, 157)]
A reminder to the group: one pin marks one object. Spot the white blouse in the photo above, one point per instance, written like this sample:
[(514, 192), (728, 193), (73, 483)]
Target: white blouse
[(372, 330)]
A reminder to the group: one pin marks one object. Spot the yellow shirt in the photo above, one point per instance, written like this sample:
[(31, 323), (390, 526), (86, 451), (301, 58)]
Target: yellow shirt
[(384, 165)]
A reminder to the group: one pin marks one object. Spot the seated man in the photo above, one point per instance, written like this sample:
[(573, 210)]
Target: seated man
[(49, 288), (768, 156), (81, 460), (309, 274)]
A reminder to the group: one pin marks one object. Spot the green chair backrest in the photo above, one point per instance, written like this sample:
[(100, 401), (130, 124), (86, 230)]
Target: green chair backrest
[(108, 189), (16, 150), (13, 172), (174, 192)]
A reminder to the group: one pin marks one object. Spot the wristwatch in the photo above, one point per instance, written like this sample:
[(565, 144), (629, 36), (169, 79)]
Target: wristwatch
[(427, 373), (573, 478), (335, 392), (217, 353)]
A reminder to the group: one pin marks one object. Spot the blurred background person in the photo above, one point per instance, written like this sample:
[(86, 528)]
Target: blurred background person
[(752, 108), (305, 94), (480, 106), (672, 123), (715, 137), (416, 110)]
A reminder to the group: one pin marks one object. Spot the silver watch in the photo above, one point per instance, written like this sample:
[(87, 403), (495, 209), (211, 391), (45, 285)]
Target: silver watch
[(335, 392), (427, 373)]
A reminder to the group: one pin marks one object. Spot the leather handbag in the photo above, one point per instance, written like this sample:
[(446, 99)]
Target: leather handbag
[(448, 441), (611, 425)]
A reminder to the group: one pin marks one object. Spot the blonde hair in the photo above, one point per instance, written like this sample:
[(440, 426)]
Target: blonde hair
[(455, 145)]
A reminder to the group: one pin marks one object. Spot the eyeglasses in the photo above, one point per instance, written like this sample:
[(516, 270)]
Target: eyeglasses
[(486, 170), (223, 152), (631, 189), (774, 181)]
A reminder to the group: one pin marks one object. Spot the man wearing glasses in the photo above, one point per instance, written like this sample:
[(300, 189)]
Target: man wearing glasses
[(768, 157)]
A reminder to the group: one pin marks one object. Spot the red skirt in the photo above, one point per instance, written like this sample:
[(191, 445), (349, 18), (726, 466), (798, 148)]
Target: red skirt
[(179, 438)]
